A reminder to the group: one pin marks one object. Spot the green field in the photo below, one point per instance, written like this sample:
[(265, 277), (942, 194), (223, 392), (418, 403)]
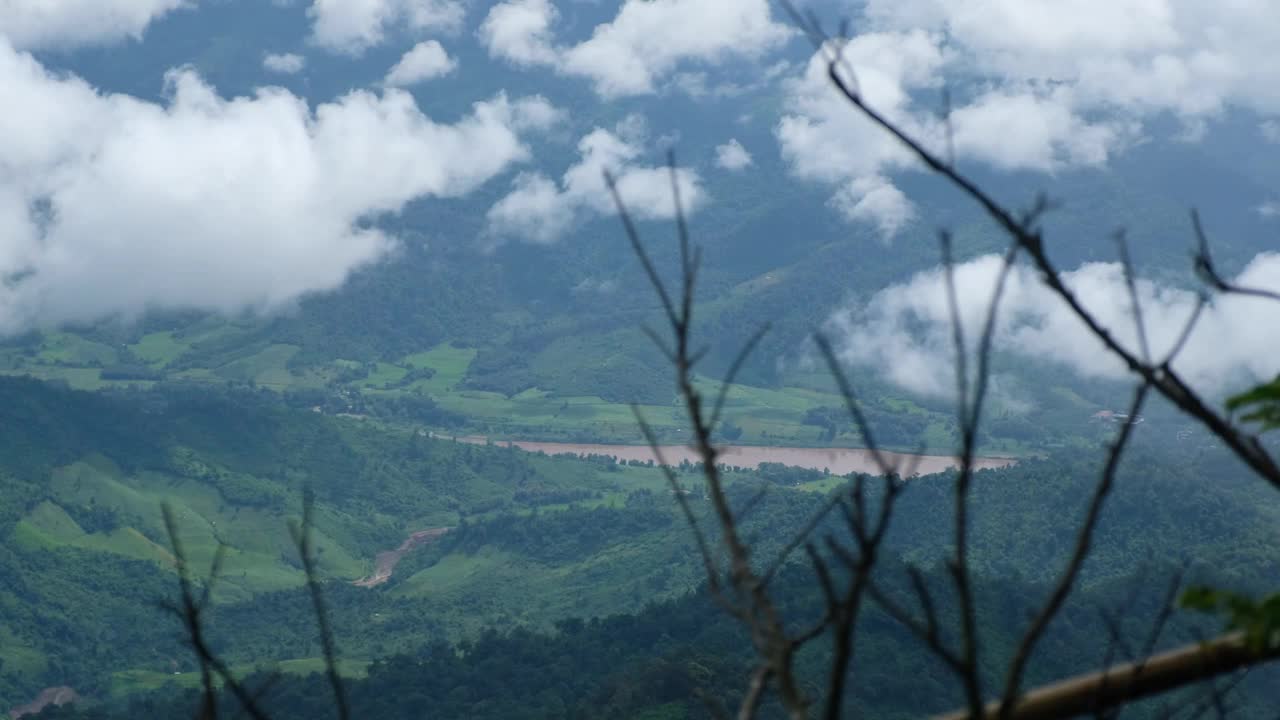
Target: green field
[(253, 564), (159, 348), (212, 352)]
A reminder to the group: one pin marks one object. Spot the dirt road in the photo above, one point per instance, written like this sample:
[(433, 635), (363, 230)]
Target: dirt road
[(385, 562)]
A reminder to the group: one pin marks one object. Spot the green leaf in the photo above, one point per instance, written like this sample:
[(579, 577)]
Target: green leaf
[(1200, 598), (1258, 619), (1262, 404)]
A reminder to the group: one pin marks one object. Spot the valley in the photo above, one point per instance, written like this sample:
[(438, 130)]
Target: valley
[(333, 332)]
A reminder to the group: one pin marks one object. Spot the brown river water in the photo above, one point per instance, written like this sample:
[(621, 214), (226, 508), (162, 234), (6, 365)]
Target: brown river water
[(839, 461)]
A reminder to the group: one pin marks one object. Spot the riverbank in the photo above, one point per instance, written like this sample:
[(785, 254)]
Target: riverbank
[(839, 461)]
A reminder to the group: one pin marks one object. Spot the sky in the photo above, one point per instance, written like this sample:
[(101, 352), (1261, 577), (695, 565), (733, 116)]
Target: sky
[(112, 203)]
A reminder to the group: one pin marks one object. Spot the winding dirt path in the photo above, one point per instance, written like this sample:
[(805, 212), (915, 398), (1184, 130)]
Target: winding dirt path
[(385, 562), (47, 697)]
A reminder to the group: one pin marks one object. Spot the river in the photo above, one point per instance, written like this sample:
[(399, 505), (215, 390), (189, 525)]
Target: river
[(839, 461)]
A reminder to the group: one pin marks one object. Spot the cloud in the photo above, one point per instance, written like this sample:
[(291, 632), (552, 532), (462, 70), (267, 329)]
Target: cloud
[(535, 112), (874, 200), (111, 205), (1143, 56), (645, 42), (1038, 85), (1013, 129), (824, 139), (286, 63), (732, 156), (519, 31), (541, 211), (353, 26), (904, 331), (535, 210), (49, 24), (424, 61)]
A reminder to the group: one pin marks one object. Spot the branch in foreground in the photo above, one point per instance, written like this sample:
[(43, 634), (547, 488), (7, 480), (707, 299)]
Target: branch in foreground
[(1067, 581), (191, 613), (1024, 233), (302, 537), (1126, 683)]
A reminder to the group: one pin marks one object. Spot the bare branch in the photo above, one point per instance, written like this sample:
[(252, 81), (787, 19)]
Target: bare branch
[(190, 612), (1131, 283), (637, 247), (798, 539), (851, 404), (302, 538), (1185, 334), (957, 325), (700, 538), (1066, 581), (732, 374), (1029, 239), (926, 603), (1204, 266), (927, 633), (1126, 683), (755, 691), (970, 419)]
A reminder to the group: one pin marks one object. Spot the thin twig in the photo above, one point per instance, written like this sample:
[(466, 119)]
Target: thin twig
[(191, 612), (1204, 266), (302, 538), (1067, 580)]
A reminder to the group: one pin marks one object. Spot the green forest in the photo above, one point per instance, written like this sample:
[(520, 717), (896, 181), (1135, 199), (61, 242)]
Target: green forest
[(572, 584)]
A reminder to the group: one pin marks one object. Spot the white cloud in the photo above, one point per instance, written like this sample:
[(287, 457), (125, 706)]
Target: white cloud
[(732, 156), (535, 210), (535, 112), (875, 200), (285, 63), (538, 210), (42, 24), (823, 138), (645, 42), (519, 31), (111, 205), (1042, 85), (904, 331), (1015, 129), (353, 26), (1269, 209), (423, 61), (1184, 56)]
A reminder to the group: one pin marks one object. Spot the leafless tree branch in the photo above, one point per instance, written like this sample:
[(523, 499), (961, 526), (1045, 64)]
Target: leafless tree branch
[(1203, 263), (190, 611), (303, 539), (1067, 580)]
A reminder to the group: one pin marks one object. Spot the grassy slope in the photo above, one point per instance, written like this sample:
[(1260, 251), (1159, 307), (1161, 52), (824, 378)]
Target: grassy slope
[(518, 560), (232, 473)]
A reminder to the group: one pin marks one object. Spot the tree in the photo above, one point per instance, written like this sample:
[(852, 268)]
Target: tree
[(845, 566)]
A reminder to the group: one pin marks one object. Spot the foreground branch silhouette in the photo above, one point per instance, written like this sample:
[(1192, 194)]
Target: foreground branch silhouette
[(743, 590), (191, 607)]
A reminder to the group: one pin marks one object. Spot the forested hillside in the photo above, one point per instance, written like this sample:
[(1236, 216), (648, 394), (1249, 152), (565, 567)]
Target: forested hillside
[(535, 543)]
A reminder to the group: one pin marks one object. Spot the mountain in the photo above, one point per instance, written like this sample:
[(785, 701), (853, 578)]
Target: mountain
[(532, 540), (253, 253), (520, 322)]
